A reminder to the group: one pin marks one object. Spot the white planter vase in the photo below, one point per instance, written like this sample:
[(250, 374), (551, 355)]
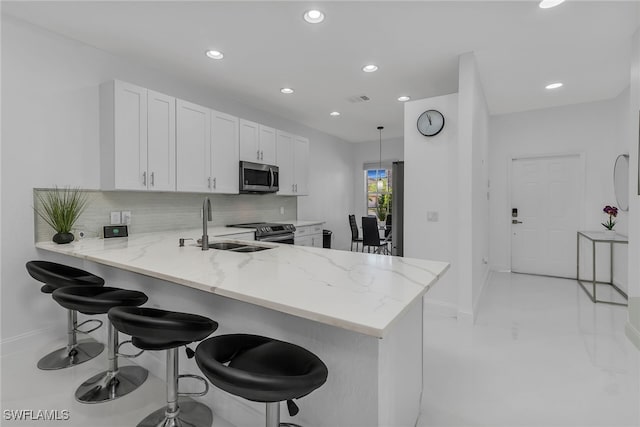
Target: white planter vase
[(610, 233)]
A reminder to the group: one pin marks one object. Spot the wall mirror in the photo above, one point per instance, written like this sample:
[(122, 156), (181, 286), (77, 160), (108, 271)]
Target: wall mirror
[(621, 181)]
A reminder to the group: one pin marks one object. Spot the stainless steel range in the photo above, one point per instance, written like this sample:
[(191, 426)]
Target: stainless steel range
[(270, 232)]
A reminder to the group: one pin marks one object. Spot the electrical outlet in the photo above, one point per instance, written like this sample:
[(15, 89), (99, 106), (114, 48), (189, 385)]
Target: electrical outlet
[(116, 218), (126, 217), (281, 210)]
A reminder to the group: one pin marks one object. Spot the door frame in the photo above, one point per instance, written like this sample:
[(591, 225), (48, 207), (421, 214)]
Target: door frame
[(581, 194)]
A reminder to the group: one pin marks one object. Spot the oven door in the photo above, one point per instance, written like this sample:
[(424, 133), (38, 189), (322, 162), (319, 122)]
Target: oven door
[(278, 238)]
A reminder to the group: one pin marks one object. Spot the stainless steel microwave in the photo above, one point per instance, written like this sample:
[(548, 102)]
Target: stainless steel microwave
[(258, 178)]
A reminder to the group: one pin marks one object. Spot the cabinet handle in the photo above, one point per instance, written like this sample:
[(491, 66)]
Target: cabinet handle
[(214, 183), (262, 155), (152, 179), (209, 182), (258, 155), (144, 178), (293, 188)]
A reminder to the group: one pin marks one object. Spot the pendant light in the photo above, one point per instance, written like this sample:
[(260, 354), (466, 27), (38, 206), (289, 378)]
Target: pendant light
[(380, 183)]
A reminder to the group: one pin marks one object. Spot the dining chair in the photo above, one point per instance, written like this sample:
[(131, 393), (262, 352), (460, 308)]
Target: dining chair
[(355, 238), (371, 235)]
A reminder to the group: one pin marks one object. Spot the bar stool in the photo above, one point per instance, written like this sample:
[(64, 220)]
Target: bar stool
[(154, 329), (56, 276), (261, 369), (115, 381)]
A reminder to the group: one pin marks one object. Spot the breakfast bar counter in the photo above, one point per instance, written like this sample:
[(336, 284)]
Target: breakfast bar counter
[(360, 313)]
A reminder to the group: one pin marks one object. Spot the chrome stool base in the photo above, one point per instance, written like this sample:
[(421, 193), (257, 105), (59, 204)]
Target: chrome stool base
[(190, 414), (63, 358), (106, 387)]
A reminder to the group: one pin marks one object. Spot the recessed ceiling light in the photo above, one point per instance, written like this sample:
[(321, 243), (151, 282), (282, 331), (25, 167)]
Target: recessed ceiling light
[(547, 4), (334, 114), (404, 98), (553, 86), (313, 16), (214, 54), (369, 68), (286, 90)]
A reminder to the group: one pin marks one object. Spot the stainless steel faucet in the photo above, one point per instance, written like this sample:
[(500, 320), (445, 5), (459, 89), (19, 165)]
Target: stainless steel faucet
[(206, 216)]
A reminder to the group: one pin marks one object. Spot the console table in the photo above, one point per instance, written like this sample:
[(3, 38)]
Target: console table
[(600, 237)]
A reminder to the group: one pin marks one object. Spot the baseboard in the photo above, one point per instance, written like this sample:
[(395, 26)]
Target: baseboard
[(633, 334)]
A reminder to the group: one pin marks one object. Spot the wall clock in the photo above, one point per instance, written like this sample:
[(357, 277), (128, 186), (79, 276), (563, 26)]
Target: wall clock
[(430, 123)]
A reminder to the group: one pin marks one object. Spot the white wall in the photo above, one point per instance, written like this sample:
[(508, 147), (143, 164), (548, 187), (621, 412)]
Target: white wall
[(50, 137), (560, 130), (473, 175), (633, 326), (431, 184), (369, 152)]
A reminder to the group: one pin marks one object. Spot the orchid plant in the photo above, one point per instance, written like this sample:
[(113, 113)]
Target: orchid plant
[(612, 211)]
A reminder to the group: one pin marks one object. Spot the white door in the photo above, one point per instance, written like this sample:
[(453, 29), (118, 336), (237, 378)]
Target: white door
[(161, 138), (301, 165), (193, 141), (130, 137), (286, 169), (249, 141), (548, 195), (267, 145), (224, 153)]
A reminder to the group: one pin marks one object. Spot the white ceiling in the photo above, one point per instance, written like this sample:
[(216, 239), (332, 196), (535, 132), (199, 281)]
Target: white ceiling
[(519, 48)]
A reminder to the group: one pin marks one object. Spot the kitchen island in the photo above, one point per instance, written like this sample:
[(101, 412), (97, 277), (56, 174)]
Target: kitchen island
[(360, 313)]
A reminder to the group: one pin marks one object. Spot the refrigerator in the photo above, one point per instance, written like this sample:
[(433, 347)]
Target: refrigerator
[(397, 208)]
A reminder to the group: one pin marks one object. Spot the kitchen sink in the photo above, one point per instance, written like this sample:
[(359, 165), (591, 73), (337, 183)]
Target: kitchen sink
[(225, 246), (250, 249)]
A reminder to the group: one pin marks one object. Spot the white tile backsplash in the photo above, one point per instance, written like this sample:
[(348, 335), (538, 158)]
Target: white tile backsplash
[(152, 211)]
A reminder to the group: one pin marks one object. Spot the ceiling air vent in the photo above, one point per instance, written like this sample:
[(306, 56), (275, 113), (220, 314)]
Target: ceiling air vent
[(359, 98)]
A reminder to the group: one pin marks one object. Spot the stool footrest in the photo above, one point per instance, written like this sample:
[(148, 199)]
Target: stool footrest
[(196, 377), (77, 328), (127, 356)]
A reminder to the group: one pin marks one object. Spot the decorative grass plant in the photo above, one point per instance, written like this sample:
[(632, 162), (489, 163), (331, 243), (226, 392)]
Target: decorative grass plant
[(61, 208)]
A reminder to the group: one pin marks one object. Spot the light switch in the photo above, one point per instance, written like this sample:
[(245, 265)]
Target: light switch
[(126, 217), (432, 216), (116, 218)]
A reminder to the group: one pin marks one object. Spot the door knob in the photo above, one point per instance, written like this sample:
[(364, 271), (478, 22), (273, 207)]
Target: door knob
[(515, 221)]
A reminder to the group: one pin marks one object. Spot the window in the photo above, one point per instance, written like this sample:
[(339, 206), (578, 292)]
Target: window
[(378, 199)]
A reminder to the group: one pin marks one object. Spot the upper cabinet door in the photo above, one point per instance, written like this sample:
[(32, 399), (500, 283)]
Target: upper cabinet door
[(225, 153), (161, 142), (249, 141), (267, 145), (301, 165), (193, 155), (125, 140), (284, 143)]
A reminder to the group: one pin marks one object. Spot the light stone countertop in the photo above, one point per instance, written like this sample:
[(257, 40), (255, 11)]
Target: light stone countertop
[(355, 291)]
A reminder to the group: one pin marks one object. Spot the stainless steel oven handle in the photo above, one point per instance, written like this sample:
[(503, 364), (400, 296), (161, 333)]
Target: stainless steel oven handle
[(278, 238)]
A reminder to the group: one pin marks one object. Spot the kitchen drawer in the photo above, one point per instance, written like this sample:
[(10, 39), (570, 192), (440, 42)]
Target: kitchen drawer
[(239, 236), (309, 229)]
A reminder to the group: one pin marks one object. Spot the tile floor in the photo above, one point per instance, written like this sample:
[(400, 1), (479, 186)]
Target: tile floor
[(540, 354)]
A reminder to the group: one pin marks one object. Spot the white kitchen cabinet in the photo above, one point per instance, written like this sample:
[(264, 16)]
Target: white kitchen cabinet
[(207, 153), (310, 235), (257, 143), (286, 169), (161, 142), (193, 158), (137, 138), (293, 163), (225, 154), (301, 165)]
